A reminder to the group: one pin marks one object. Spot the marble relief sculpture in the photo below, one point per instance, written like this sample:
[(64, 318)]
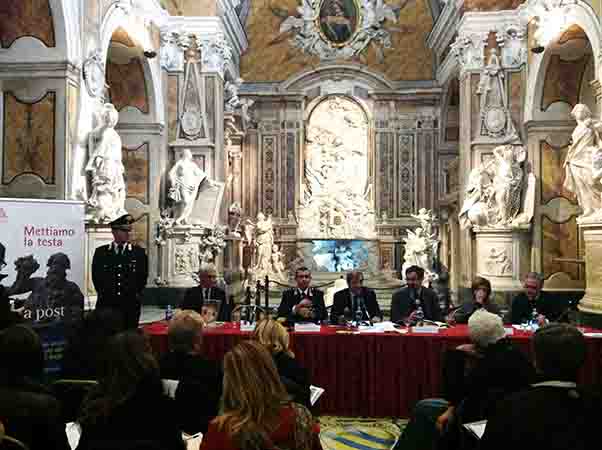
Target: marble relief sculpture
[(185, 178), (421, 245), (582, 163), (337, 193), (232, 101), (499, 193), (105, 167)]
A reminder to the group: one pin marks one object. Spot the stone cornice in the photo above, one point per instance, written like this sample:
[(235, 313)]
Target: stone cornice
[(39, 70), (234, 29), (141, 128), (444, 28), (447, 68)]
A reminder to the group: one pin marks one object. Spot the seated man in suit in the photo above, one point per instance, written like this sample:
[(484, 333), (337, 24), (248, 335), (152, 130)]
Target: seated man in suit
[(534, 299), (356, 298), (200, 380), (302, 303), (554, 413), (405, 302), (207, 290)]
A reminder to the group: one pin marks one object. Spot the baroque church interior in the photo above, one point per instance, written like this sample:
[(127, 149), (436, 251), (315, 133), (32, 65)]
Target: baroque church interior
[(335, 134)]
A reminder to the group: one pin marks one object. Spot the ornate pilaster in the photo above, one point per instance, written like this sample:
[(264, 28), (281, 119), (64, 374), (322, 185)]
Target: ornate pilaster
[(469, 48)]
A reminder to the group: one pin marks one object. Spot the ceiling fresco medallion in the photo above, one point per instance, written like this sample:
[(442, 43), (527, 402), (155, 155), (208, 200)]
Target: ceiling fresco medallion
[(333, 29)]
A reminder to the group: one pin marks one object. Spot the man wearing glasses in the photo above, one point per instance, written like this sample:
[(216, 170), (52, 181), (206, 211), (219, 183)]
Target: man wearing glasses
[(355, 301), (302, 303), (207, 290)]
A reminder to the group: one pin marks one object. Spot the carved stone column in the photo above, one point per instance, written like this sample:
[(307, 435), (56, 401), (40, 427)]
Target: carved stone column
[(502, 256), (592, 236)]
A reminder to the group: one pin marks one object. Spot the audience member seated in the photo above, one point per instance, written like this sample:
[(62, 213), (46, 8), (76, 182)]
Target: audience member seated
[(207, 290), (27, 409), (85, 351), (273, 336), (302, 303), (355, 298), (554, 413), (258, 413), (533, 298), (128, 407), (200, 380), (475, 376), (405, 302), (481, 292), (7, 316)]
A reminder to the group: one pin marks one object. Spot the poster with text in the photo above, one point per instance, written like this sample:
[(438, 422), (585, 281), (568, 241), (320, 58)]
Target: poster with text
[(42, 259)]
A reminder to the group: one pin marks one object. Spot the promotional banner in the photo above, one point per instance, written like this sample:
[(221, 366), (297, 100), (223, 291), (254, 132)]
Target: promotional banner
[(42, 255)]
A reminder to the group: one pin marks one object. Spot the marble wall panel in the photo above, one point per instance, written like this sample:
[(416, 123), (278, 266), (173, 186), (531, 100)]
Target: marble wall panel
[(136, 163), (127, 85), (552, 173), (72, 109), (172, 106), (122, 37), (475, 109), (563, 81), (271, 57), (140, 229), (560, 240), (515, 90), (26, 18), (29, 137)]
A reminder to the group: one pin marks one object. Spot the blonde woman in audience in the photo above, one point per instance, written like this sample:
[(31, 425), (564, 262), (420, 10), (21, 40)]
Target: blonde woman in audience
[(273, 336), (258, 413)]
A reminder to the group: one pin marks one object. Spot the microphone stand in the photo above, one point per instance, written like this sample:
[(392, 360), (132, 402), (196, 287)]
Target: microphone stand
[(364, 311)]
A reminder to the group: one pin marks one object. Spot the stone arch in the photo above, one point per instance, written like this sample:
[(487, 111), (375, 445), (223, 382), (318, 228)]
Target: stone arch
[(583, 16)]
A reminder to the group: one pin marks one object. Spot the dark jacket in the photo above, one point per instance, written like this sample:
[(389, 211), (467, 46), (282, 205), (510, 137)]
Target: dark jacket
[(292, 297), (119, 280), (545, 303), (199, 391), (546, 418), (31, 414), (342, 300), (193, 299), (291, 371), (147, 416), (463, 313), (402, 305)]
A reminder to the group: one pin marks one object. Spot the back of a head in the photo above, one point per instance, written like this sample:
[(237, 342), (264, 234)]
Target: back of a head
[(21, 353), (560, 351), (185, 329), (485, 328), (253, 392), (273, 336)]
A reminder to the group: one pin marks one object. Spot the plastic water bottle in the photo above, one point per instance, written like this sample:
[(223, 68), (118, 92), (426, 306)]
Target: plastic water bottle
[(168, 313), (534, 315), (419, 314)]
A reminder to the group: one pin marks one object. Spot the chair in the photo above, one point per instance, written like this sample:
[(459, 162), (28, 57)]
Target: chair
[(71, 394)]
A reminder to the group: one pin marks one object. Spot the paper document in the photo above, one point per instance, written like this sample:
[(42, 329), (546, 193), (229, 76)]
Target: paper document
[(170, 387), (193, 442), (476, 428), (596, 335), (315, 393), (307, 327), (73, 432)]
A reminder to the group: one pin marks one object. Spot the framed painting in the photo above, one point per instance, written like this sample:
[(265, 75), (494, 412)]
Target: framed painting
[(338, 20)]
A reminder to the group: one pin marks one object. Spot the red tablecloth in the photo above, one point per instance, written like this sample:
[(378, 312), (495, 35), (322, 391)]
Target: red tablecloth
[(373, 375)]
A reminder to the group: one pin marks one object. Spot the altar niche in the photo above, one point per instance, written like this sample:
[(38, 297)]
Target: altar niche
[(337, 201)]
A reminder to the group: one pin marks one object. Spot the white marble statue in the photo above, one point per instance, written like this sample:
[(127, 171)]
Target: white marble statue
[(106, 168), (421, 246), (499, 193), (234, 219), (278, 263), (264, 240), (337, 193), (185, 178), (582, 159), (231, 94)]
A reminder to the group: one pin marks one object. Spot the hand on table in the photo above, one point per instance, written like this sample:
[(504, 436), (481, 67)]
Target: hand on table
[(375, 319), (444, 419), (304, 308)]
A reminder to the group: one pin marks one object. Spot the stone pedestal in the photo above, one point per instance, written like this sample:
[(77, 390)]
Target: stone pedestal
[(96, 235), (592, 236), (502, 256)]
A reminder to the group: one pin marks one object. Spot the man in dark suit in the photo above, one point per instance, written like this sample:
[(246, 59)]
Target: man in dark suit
[(119, 273), (207, 290), (523, 305), (405, 302), (355, 299), (554, 413), (302, 303)]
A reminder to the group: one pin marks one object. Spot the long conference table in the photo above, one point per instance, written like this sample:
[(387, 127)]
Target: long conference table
[(370, 374)]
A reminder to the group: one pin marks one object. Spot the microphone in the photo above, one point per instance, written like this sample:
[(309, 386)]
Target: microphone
[(364, 311)]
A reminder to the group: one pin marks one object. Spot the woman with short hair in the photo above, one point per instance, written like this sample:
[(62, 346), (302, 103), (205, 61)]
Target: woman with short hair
[(480, 299), (258, 413)]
